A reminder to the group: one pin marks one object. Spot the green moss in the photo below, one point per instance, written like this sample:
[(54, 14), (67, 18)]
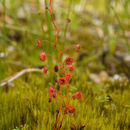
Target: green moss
[(27, 103)]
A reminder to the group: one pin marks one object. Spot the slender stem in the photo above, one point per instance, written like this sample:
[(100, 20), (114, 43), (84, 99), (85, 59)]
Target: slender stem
[(50, 11), (68, 15), (59, 118), (56, 121), (69, 100), (52, 19), (52, 45), (48, 42), (57, 37), (61, 121), (55, 59)]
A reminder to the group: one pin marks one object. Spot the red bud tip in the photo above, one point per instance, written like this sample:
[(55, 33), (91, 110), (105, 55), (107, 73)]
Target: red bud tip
[(77, 47), (45, 69), (38, 43), (56, 68), (42, 56)]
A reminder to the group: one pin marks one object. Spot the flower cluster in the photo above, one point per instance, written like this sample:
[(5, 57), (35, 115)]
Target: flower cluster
[(63, 71)]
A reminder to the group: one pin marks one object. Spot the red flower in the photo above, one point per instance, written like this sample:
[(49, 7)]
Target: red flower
[(62, 81), (69, 109), (51, 91), (77, 47), (77, 95), (71, 68), (38, 43), (56, 68), (69, 60), (43, 56), (68, 76), (45, 69)]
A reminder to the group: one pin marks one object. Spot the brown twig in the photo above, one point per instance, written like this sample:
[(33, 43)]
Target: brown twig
[(18, 74)]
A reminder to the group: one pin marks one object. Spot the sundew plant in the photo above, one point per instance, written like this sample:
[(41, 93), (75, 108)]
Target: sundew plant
[(63, 72)]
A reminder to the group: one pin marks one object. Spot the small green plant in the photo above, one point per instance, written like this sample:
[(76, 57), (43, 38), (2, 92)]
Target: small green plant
[(62, 70)]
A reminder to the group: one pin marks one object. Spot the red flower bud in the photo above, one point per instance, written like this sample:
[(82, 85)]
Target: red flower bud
[(77, 47), (43, 56), (38, 43), (51, 91), (71, 68), (72, 127), (79, 95), (56, 68), (68, 76), (62, 81), (45, 69), (69, 109), (69, 60), (50, 99)]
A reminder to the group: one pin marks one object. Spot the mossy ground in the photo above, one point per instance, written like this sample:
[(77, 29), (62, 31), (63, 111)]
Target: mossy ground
[(27, 104)]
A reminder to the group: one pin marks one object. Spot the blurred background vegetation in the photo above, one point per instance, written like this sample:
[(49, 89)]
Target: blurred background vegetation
[(101, 27)]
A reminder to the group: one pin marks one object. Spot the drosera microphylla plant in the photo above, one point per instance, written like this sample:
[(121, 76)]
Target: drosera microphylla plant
[(63, 71)]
